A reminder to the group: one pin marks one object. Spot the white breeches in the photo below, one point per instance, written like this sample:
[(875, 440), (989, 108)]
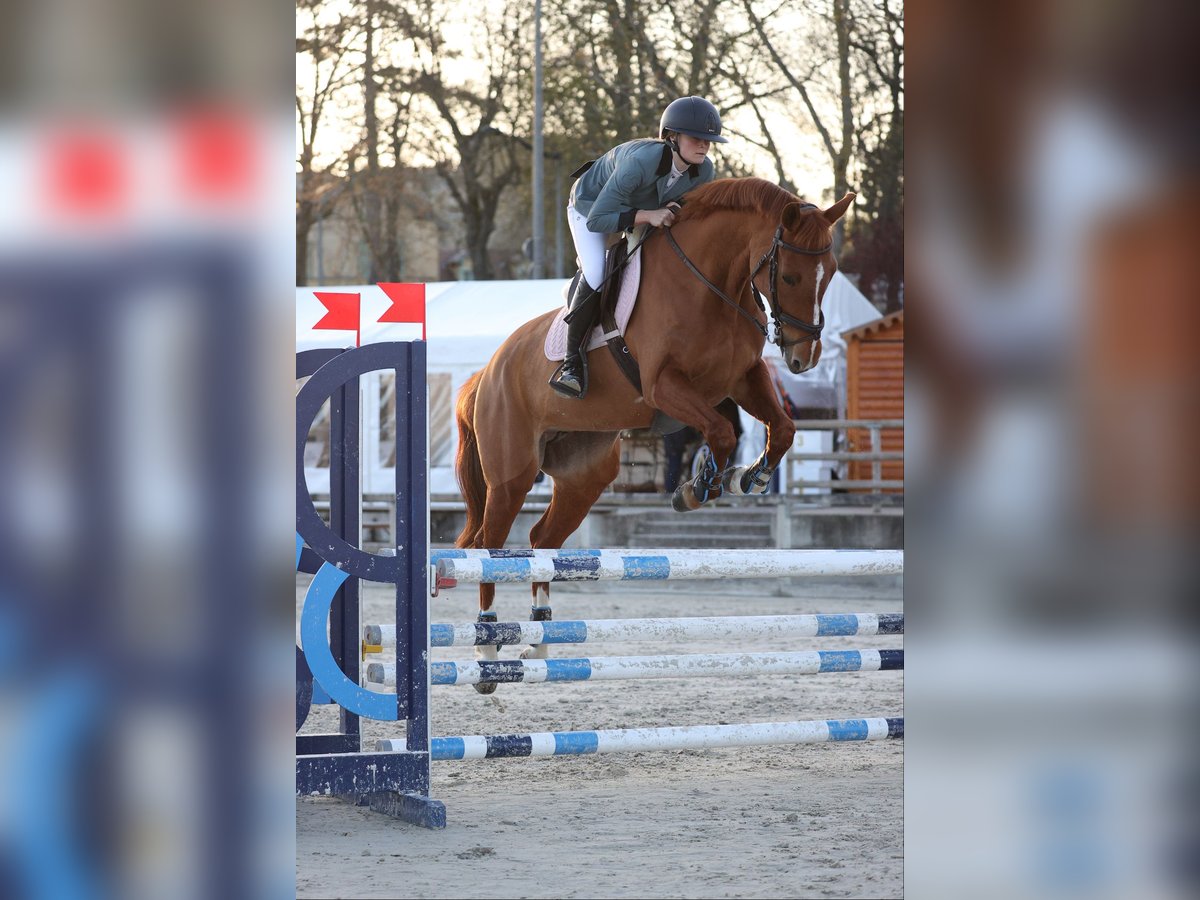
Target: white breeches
[(589, 246)]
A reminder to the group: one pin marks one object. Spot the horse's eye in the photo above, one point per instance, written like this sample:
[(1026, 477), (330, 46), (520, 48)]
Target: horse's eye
[(788, 279)]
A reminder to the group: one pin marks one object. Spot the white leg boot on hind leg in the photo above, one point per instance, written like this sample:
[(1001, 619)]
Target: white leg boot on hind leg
[(539, 613)]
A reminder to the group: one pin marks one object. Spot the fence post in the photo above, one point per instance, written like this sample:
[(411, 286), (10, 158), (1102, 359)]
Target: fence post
[(782, 527), (876, 463)]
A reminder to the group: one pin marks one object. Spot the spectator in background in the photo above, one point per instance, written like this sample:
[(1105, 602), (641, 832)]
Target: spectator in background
[(674, 445)]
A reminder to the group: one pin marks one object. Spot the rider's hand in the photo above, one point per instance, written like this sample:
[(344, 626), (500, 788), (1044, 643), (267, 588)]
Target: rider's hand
[(659, 218)]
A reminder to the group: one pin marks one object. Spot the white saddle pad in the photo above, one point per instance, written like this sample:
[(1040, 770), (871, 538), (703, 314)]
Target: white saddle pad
[(556, 337)]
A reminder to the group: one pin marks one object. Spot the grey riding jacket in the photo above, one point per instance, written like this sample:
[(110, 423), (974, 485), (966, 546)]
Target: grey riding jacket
[(629, 177)]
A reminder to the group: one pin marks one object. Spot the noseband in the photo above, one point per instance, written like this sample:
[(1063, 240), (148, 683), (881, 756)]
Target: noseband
[(770, 259)]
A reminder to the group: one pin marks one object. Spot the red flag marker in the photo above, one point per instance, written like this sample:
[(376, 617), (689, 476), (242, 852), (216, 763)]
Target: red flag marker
[(87, 173), (216, 156), (408, 303), (343, 313)]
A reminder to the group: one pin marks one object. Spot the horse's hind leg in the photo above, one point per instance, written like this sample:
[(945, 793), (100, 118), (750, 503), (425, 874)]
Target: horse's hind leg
[(504, 501), (582, 466)]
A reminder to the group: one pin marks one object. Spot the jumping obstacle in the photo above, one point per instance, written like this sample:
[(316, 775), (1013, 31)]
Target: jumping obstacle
[(396, 778), (695, 737), (376, 638), (336, 763), (672, 565), (623, 668)]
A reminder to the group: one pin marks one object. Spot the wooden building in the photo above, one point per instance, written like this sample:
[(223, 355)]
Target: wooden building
[(875, 391)]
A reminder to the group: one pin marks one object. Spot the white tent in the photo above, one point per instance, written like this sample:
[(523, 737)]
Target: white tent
[(466, 321)]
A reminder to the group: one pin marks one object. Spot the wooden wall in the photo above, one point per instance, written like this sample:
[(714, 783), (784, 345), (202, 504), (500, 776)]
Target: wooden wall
[(875, 390)]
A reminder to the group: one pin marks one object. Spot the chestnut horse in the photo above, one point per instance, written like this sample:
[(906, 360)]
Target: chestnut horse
[(697, 333)]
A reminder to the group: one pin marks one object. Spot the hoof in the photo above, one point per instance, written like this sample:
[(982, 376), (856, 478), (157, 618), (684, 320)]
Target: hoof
[(485, 653), (535, 651), (684, 498)]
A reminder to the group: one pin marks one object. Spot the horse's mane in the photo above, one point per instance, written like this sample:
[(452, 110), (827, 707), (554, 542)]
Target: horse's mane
[(749, 195)]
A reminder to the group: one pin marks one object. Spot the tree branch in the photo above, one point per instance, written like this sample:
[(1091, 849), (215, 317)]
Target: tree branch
[(796, 84)]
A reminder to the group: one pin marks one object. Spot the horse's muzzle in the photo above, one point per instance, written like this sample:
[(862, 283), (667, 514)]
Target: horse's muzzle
[(802, 356)]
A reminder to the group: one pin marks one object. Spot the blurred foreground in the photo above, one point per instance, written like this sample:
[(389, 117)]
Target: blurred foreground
[(145, 488), (1052, 434)]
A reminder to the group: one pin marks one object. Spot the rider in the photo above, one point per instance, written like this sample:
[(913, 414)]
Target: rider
[(635, 183)]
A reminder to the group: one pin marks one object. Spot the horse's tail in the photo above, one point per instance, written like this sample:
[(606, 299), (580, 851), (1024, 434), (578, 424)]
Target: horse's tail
[(467, 465)]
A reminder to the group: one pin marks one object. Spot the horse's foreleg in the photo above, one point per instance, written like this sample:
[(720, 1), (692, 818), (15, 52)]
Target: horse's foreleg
[(674, 395), (756, 395)]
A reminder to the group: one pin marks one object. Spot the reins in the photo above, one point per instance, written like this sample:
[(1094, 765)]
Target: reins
[(712, 287), (771, 259)]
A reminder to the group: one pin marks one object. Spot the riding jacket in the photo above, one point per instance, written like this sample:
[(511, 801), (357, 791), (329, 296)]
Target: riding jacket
[(629, 177)]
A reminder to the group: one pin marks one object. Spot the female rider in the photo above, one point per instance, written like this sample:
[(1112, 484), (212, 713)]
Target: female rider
[(635, 183)]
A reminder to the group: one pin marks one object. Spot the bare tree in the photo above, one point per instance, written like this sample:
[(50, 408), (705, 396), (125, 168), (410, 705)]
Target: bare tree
[(618, 63), (736, 71), (836, 130), (380, 195), (327, 45), (878, 246), (611, 66), (466, 119), (374, 193)]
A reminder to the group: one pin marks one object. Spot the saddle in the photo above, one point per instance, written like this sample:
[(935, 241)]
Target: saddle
[(622, 275)]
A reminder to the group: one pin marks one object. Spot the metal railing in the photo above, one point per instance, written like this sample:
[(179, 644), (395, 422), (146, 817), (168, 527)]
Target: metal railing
[(875, 455)]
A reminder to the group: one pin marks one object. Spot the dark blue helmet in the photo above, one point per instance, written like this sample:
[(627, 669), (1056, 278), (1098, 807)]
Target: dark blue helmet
[(692, 116)]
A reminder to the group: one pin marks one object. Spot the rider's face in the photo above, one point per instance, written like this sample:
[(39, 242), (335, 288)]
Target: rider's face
[(692, 150)]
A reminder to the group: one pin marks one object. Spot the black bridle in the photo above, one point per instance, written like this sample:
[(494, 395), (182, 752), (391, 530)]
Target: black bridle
[(770, 259)]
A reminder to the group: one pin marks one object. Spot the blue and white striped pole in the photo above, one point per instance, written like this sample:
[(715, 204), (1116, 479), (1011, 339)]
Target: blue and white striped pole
[(618, 668), (640, 565), (578, 743), (376, 638), (675, 552)]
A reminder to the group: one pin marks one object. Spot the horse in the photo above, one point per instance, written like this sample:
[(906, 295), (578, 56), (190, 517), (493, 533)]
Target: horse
[(697, 333)]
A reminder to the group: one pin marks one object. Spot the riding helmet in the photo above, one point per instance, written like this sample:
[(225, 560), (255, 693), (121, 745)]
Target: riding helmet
[(692, 116)]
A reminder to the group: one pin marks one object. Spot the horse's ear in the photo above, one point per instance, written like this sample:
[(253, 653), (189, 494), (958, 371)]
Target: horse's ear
[(838, 209), (791, 215)]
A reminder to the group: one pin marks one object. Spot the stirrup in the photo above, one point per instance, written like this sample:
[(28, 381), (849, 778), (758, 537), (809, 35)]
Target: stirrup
[(566, 390)]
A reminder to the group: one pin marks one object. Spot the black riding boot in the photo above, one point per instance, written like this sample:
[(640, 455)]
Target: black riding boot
[(571, 379)]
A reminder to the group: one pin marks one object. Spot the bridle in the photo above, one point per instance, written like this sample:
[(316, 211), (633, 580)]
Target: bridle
[(770, 259)]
